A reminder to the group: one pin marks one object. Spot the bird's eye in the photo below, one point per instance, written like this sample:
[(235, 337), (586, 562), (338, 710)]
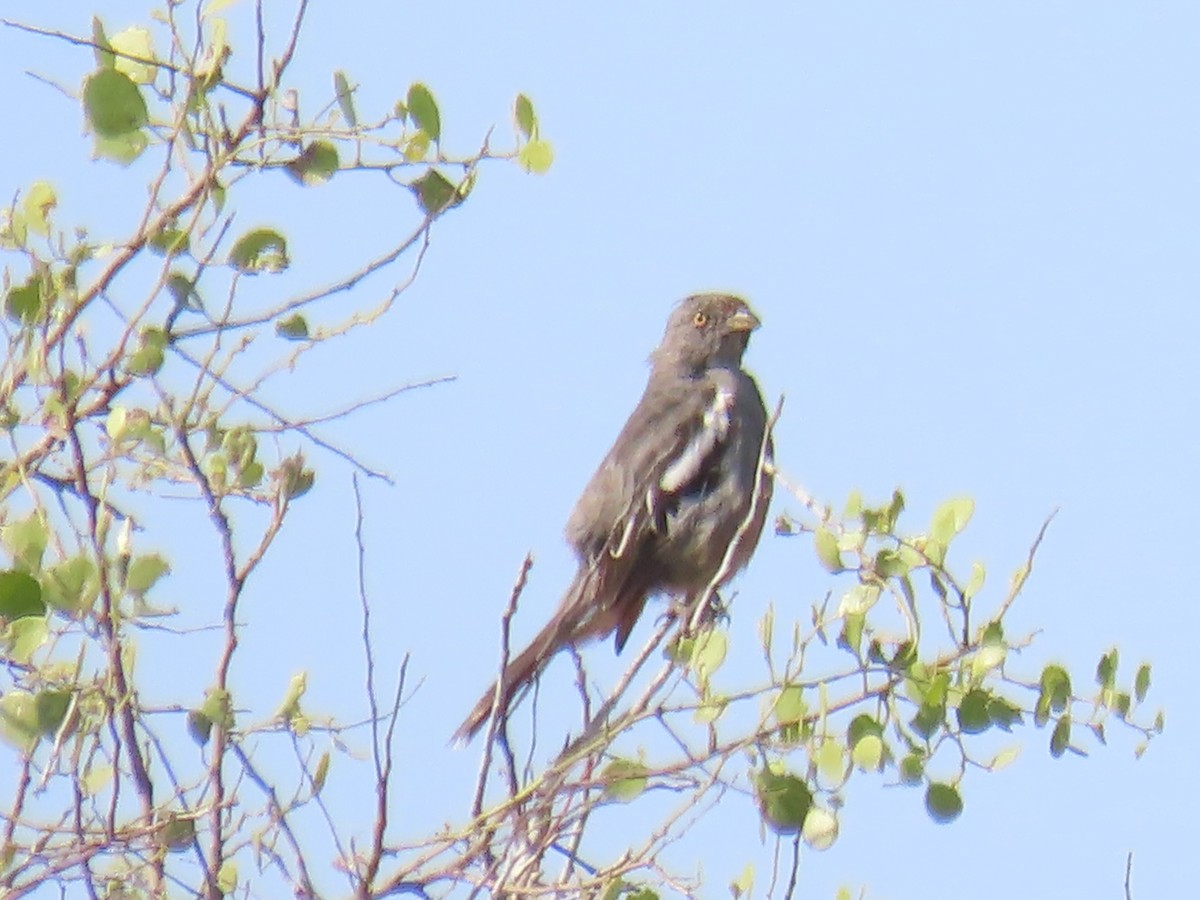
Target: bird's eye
[(700, 319)]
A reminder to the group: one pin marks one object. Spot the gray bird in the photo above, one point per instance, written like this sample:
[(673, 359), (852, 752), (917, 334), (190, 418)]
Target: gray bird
[(670, 496)]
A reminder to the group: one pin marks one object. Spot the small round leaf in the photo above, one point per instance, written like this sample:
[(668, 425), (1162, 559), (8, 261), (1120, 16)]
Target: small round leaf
[(943, 803)]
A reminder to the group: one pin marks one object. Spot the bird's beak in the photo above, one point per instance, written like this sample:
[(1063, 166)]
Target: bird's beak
[(743, 320)]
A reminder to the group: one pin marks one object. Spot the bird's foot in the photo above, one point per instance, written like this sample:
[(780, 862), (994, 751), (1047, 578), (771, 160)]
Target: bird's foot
[(714, 611)]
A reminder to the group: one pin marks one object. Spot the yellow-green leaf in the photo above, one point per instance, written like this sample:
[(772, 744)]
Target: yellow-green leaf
[(951, 517), (708, 652), (37, 204), (625, 779), (825, 542), (536, 157), (322, 772), (136, 42), (227, 877), (144, 571), (820, 829), (345, 98), (831, 761), (260, 250), (868, 753), (316, 165)]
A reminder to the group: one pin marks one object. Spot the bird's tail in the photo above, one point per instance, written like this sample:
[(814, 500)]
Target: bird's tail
[(562, 629), (517, 674)]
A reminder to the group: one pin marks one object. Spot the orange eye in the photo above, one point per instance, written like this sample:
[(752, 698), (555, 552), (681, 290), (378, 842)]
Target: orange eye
[(700, 319)]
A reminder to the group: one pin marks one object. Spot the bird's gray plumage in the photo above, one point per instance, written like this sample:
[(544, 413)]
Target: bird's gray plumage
[(671, 495)]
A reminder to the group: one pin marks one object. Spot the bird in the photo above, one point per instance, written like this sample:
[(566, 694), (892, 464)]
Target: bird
[(688, 475)]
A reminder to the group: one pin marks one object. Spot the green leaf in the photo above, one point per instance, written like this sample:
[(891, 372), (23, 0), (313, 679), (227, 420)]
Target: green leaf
[(1106, 669), (624, 779), (52, 708), (1004, 759), (929, 718), (973, 712), (251, 475), (19, 723), (345, 98), (122, 149), (150, 355), (20, 596), (214, 7), (851, 635), (889, 564), (291, 700), (783, 799), (293, 328), (24, 637), (434, 192), (144, 571), (710, 710), (294, 480), (183, 292), (1122, 704), (708, 653), (260, 250), (789, 705), (951, 518), (424, 111), (912, 769), (989, 657), (316, 165), (25, 304), (169, 240), (825, 542), (525, 116), (978, 577), (37, 204), (218, 707), (113, 104), (199, 726), (863, 725), (1055, 688), (417, 147), (536, 157), (177, 834), (135, 41), (25, 540), (1141, 683), (71, 586), (114, 424), (102, 50), (744, 883), (96, 778), (943, 803), (1004, 715), (227, 877), (321, 775), (1060, 739)]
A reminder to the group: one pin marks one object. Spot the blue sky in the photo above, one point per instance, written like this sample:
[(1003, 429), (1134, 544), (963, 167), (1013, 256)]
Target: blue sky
[(970, 231)]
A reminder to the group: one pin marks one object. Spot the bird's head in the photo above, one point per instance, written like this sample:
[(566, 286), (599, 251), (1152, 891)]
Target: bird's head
[(707, 330)]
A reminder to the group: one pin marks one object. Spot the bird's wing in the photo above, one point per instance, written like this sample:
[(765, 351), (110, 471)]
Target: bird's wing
[(663, 449)]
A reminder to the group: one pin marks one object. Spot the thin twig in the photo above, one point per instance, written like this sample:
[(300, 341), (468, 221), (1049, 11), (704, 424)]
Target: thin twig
[(505, 626)]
